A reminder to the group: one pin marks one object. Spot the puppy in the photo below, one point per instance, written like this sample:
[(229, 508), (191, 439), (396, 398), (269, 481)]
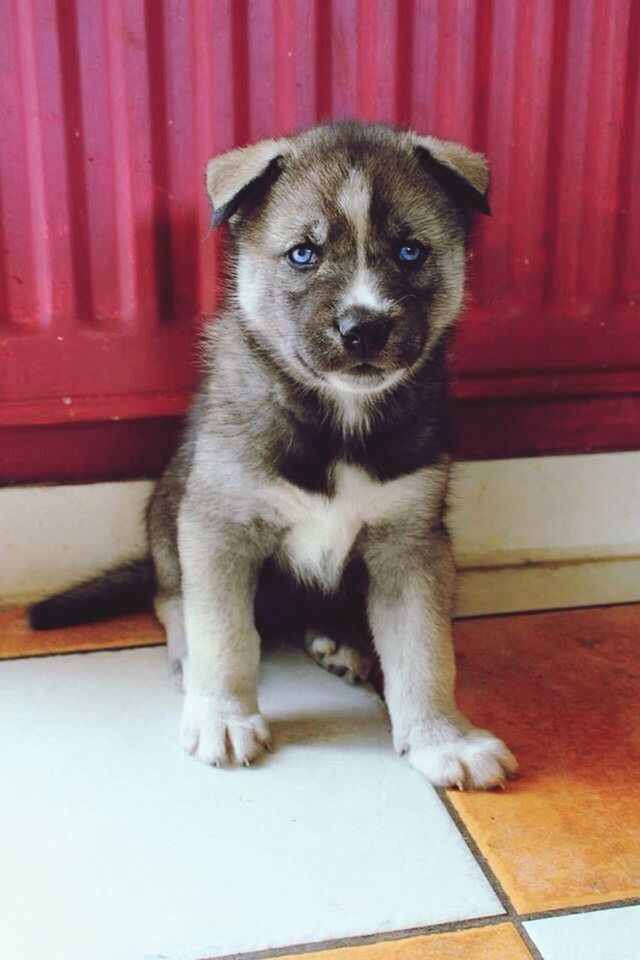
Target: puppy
[(308, 494)]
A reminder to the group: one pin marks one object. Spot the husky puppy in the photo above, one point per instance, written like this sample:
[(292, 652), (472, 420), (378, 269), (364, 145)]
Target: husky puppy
[(309, 489)]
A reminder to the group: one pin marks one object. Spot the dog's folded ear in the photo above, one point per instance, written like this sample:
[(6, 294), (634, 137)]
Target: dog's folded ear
[(241, 176), (463, 173)]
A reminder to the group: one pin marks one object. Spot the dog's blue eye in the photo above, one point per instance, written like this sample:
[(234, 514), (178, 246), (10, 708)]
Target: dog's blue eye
[(303, 255), (411, 253)]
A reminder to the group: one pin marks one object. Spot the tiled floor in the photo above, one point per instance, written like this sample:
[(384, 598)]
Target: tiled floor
[(120, 848)]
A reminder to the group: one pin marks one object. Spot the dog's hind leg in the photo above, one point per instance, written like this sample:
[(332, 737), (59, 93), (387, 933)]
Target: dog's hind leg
[(337, 635), (170, 614), (161, 523)]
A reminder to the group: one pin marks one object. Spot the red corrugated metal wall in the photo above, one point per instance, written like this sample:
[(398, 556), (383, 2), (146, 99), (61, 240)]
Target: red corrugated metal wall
[(110, 110)]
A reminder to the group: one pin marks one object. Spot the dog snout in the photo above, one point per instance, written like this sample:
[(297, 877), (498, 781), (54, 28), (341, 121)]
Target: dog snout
[(364, 333)]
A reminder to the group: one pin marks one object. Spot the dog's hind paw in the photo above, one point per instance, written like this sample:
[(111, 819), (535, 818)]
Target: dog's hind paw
[(220, 738), (476, 760), (339, 658)]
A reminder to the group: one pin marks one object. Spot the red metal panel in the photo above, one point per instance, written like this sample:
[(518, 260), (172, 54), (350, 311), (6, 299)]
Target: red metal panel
[(110, 109)]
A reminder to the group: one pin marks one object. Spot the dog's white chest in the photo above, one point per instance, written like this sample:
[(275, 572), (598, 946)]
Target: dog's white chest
[(322, 530)]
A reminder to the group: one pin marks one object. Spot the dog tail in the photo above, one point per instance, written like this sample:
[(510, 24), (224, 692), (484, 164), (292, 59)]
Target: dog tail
[(125, 589)]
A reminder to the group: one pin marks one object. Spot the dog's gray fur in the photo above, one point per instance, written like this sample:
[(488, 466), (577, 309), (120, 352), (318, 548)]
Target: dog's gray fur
[(311, 481)]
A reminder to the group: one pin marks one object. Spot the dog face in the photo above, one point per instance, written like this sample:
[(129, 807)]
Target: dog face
[(349, 248)]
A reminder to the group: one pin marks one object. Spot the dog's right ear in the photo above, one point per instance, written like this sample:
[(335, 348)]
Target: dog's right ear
[(242, 175)]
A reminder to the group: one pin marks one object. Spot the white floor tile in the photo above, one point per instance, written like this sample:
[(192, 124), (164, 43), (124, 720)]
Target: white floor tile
[(599, 935), (116, 846)]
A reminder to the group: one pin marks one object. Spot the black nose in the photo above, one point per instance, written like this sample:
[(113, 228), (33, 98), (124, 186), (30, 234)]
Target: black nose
[(364, 333)]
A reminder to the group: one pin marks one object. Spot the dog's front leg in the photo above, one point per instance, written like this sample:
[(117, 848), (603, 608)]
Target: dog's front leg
[(220, 720), (410, 598)]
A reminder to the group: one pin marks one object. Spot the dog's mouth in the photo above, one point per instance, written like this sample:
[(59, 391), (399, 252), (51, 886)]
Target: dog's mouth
[(359, 378), (364, 378), (366, 370)]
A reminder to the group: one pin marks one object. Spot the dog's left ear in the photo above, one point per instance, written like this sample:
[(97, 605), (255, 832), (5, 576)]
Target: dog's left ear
[(240, 176), (463, 173)]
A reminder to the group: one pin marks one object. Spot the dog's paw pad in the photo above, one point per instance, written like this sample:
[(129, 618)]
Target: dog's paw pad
[(340, 659), (221, 738), (476, 760)]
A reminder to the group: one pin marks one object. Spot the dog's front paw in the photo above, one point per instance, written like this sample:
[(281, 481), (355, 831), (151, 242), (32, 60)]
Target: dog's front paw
[(219, 737), (471, 760)]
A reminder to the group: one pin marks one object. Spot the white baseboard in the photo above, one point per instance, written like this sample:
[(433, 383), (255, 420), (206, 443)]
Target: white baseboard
[(529, 534), (547, 586)]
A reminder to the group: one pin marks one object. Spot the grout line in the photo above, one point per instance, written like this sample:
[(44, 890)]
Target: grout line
[(528, 942), (619, 904), (364, 940), (478, 855), (492, 880), (519, 919), (500, 892)]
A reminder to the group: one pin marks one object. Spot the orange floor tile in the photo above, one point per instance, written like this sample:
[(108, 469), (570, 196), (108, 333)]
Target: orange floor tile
[(563, 689), (18, 640), (500, 942)]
